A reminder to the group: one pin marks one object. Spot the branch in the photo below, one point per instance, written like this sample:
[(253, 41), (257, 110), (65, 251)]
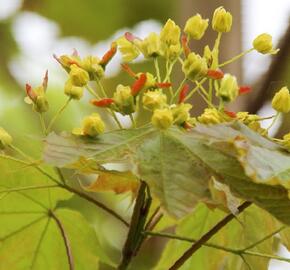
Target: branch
[(206, 237), (135, 236), (65, 240)]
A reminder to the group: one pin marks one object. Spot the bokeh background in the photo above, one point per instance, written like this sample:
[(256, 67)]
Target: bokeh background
[(32, 30)]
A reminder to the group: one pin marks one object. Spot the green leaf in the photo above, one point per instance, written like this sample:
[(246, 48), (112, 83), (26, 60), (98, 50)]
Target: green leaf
[(109, 147), (178, 165), (251, 226), (30, 236)]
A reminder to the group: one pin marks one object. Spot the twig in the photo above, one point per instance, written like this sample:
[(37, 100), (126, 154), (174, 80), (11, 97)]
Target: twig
[(206, 237), (65, 240), (135, 236)]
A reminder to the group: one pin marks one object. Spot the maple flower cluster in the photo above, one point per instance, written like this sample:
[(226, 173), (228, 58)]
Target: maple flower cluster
[(169, 105)]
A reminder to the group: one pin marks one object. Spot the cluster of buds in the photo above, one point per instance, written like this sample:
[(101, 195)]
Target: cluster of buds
[(81, 71), (156, 94), (92, 126), (281, 100), (37, 96)]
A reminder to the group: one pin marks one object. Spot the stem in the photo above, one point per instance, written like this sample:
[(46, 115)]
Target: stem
[(178, 90), (65, 240), (132, 120), (157, 69), (215, 52), (273, 122), (59, 112), (210, 91), (195, 89), (206, 237), (236, 57), (135, 236), (42, 123)]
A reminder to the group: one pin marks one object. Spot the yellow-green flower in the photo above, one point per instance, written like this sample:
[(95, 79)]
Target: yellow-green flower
[(78, 76), (170, 33), (128, 50), (123, 100), (222, 20), (92, 66), (5, 138), (286, 140), (263, 44), (153, 100), (74, 92), (150, 46), (212, 116), (194, 67), (196, 26), (181, 113), (162, 118), (93, 125), (281, 100), (229, 88)]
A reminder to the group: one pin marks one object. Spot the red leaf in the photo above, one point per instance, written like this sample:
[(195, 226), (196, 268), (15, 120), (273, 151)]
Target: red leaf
[(138, 85), (245, 89), (103, 103), (109, 54), (230, 114), (215, 74), (30, 93), (45, 80), (129, 36), (163, 85), (126, 68), (185, 47), (183, 93)]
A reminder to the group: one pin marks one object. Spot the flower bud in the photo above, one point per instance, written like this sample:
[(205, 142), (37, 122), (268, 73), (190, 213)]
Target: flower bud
[(222, 20), (67, 60), (194, 67), (162, 118), (195, 27), (153, 100), (91, 64), (5, 138), (78, 76), (37, 97), (207, 55), (286, 140), (150, 46), (211, 116), (124, 101), (150, 80), (128, 50), (181, 113), (281, 100), (229, 88), (263, 44), (74, 92), (172, 52), (93, 125), (41, 104), (170, 33)]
